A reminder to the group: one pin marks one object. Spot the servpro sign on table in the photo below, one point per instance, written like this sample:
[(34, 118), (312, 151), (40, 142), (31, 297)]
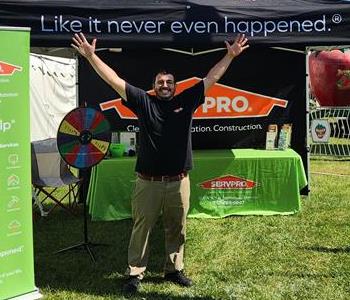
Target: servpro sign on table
[(223, 182), (245, 182)]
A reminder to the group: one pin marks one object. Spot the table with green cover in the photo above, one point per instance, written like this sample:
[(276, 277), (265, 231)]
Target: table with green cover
[(223, 183)]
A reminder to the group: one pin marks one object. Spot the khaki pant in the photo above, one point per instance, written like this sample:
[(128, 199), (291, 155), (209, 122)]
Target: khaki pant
[(151, 199)]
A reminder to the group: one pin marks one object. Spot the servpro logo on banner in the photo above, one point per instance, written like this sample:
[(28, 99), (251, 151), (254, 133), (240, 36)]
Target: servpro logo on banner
[(221, 102), (7, 69), (228, 182)]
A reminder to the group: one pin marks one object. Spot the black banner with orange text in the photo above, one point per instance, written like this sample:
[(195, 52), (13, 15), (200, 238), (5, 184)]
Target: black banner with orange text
[(261, 87)]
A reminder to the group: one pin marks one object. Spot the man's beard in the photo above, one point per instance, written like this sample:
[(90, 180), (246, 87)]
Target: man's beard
[(165, 98)]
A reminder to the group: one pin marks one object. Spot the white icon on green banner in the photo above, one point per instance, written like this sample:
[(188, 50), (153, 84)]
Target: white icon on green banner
[(13, 159), (13, 181), (13, 204), (14, 228)]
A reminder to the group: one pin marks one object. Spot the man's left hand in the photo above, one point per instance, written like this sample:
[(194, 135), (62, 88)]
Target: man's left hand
[(239, 45)]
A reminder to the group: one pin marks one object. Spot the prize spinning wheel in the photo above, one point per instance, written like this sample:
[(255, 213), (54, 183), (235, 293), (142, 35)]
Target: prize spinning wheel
[(83, 137)]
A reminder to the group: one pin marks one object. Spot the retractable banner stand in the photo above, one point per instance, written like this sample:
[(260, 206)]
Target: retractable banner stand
[(16, 246)]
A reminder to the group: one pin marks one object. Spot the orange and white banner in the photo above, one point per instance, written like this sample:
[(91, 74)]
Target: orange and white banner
[(221, 102)]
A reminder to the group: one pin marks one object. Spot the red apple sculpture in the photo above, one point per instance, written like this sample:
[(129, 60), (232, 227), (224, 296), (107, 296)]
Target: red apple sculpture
[(330, 77)]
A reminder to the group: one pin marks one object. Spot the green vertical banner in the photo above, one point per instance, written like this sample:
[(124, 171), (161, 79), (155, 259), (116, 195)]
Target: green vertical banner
[(16, 234)]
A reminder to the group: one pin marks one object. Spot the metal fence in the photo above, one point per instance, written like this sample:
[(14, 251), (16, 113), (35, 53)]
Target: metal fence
[(330, 131)]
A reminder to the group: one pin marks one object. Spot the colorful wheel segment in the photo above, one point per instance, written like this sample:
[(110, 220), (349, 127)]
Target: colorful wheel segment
[(83, 137)]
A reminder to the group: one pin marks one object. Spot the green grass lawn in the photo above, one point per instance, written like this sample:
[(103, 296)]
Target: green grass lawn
[(302, 256)]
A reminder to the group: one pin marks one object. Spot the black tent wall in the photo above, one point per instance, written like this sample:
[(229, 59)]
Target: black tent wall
[(266, 71)]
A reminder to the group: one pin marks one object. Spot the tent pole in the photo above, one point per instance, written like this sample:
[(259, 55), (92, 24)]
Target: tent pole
[(307, 99)]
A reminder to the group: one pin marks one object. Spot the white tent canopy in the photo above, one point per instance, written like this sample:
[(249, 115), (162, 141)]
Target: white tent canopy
[(52, 93)]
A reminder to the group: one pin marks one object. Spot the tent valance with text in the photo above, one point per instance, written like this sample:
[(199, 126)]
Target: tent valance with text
[(193, 23)]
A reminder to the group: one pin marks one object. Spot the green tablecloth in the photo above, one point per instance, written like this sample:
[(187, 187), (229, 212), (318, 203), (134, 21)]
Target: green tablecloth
[(223, 183)]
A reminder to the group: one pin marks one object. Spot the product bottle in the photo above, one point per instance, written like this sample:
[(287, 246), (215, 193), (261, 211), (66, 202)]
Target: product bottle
[(271, 136), (283, 139)]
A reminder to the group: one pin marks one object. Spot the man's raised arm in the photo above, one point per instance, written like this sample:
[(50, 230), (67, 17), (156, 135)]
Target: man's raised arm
[(103, 70), (216, 72)]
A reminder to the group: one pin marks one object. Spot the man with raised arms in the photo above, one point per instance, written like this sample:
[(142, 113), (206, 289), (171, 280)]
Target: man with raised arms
[(164, 157)]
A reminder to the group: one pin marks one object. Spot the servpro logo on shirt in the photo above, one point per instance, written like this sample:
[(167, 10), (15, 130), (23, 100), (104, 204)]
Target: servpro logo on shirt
[(228, 182), (221, 102)]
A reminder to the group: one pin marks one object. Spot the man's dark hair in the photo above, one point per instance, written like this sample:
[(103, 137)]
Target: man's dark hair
[(162, 72)]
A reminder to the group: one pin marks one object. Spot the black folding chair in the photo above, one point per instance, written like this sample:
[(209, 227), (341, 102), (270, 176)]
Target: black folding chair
[(52, 179)]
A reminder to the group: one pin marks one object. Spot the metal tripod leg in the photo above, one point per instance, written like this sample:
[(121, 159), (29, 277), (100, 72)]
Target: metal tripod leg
[(85, 244)]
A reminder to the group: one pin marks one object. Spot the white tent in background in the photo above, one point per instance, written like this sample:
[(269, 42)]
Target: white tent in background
[(52, 93)]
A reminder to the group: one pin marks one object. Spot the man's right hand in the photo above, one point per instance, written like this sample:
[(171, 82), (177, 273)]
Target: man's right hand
[(83, 46), (103, 70)]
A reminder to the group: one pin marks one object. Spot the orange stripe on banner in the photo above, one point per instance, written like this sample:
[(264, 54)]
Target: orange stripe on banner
[(221, 102)]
